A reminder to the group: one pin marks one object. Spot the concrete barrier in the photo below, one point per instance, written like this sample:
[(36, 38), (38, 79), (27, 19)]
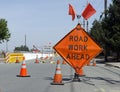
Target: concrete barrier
[(29, 56), (12, 57)]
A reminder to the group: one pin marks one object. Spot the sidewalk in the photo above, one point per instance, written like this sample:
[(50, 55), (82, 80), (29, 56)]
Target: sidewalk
[(113, 64)]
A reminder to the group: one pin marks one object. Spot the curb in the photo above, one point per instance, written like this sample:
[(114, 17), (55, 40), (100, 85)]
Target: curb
[(112, 65)]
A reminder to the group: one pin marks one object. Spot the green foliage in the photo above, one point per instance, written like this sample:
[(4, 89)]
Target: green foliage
[(113, 24), (107, 31), (21, 48), (4, 32), (96, 32)]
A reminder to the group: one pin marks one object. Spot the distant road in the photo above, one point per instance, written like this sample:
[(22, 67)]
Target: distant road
[(97, 79)]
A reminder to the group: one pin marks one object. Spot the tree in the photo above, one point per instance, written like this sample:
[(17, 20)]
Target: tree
[(96, 31), (113, 22), (107, 31), (111, 27), (21, 48), (4, 32)]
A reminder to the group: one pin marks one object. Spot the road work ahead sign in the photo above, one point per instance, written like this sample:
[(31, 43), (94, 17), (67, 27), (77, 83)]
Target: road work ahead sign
[(77, 48)]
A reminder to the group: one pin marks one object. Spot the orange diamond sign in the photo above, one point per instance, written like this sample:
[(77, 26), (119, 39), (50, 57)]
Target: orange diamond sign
[(77, 48)]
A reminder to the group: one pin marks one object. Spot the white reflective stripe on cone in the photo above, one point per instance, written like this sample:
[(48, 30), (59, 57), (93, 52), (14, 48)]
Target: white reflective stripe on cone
[(24, 62), (24, 66), (58, 72), (58, 66)]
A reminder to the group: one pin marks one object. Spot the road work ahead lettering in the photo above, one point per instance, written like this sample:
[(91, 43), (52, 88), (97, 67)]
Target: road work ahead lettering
[(78, 47)]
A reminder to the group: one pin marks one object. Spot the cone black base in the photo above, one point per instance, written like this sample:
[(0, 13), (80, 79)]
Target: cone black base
[(36, 62), (76, 80), (23, 76), (57, 83)]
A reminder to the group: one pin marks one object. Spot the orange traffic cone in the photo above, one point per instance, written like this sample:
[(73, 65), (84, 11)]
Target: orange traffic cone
[(94, 62), (64, 62), (58, 76), (23, 58), (88, 63), (81, 73), (36, 61), (17, 61), (23, 71)]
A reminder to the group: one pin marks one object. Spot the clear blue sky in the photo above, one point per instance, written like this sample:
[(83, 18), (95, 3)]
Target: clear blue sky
[(42, 21)]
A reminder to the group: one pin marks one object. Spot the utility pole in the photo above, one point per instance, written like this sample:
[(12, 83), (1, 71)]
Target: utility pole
[(6, 46), (106, 49), (25, 40), (87, 26), (105, 7), (84, 23)]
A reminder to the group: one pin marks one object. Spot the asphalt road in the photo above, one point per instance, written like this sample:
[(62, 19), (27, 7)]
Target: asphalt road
[(100, 78)]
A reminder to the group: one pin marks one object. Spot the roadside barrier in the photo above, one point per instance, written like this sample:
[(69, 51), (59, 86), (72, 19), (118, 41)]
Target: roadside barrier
[(7, 58), (50, 58), (58, 76), (45, 58), (23, 71), (14, 57), (52, 62)]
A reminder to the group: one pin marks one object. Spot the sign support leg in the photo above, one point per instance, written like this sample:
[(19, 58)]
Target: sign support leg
[(76, 78)]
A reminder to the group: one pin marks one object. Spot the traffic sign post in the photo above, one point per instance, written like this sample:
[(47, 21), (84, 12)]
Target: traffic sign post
[(77, 48)]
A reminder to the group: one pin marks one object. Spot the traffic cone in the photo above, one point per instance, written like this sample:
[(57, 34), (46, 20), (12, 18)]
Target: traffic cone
[(36, 61), (23, 58), (23, 71), (58, 76), (88, 63), (81, 72), (17, 61), (64, 62), (94, 62)]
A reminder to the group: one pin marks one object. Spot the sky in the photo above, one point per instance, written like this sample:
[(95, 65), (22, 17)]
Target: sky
[(43, 22)]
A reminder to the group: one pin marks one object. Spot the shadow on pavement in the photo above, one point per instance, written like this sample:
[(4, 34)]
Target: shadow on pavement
[(108, 80)]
